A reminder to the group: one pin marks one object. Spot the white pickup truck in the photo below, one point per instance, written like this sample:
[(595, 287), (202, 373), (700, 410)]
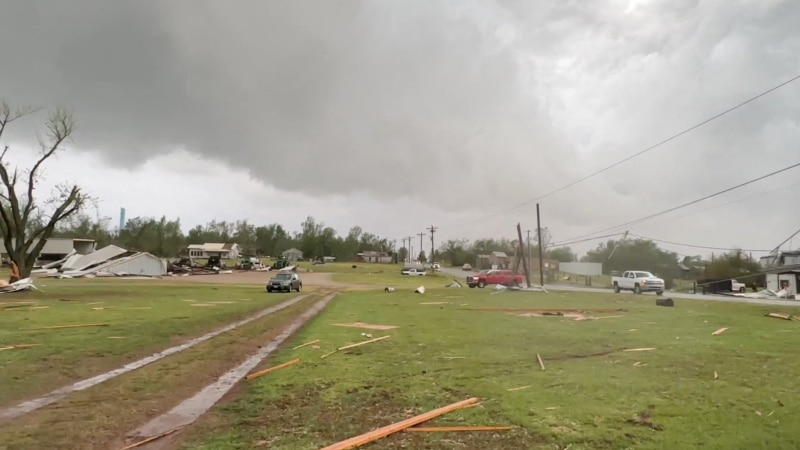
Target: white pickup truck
[(638, 281)]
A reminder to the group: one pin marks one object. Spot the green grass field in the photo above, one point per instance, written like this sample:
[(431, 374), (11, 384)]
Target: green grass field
[(593, 395), (142, 317)]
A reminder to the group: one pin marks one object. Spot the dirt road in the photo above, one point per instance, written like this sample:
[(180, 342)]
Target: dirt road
[(310, 280)]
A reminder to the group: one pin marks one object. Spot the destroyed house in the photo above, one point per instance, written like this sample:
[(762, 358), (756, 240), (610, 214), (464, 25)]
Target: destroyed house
[(58, 248), (374, 257), (228, 250), (783, 271), (110, 260)]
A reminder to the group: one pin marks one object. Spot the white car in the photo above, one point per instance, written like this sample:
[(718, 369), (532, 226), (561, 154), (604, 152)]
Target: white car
[(420, 273)]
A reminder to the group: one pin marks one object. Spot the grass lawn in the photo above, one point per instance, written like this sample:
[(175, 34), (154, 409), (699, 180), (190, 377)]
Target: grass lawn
[(592, 395), (142, 316)]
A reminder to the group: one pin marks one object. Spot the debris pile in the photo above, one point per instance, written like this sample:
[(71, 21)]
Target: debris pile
[(110, 261)]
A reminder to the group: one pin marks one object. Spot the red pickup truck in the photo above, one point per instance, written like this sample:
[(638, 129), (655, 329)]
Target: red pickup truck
[(504, 277)]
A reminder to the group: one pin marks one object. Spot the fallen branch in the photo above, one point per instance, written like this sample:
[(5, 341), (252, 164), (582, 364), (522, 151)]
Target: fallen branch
[(54, 327), (541, 363), (447, 429), (382, 432), (307, 343), (266, 371), (150, 439)]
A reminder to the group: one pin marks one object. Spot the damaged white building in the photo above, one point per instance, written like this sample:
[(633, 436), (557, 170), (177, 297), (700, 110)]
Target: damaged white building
[(107, 261)]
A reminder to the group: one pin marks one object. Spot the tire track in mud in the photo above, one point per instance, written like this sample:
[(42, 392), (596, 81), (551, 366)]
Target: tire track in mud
[(10, 413), (188, 411)]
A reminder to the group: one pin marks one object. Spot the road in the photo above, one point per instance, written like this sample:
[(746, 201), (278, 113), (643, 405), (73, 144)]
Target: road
[(461, 275)]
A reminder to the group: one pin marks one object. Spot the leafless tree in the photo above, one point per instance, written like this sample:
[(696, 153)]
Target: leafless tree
[(26, 223)]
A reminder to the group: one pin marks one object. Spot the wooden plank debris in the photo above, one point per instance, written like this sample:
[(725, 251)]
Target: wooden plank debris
[(780, 316), (150, 439), (271, 369), (346, 347), (434, 303), (552, 310), (517, 388), (449, 429), (306, 344), (541, 363), (643, 349), (382, 432), (16, 346), (367, 326), (56, 327), (720, 331), (7, 306), (716, 376)]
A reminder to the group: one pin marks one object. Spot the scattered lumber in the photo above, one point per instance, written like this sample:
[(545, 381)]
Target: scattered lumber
[(55, 327), (150, 439), (346, 347), (306, 344), (448, 429), (271, 369), (779, 316), (382, 432), (720, 331)]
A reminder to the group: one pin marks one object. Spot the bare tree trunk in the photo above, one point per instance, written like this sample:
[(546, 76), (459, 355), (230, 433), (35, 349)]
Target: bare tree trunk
[(24, 225)]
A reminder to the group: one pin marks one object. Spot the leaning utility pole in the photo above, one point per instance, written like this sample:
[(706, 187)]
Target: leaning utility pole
[(432, 229), (541, 259), (420, 241), (530, 258)]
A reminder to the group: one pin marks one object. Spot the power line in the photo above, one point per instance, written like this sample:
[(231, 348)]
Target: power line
[(675, 208), (726, 204), (787, 240), (565, 243), (648, 149), (699, 246)]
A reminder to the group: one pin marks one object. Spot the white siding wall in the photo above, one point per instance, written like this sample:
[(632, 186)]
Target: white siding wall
[(143, 265)]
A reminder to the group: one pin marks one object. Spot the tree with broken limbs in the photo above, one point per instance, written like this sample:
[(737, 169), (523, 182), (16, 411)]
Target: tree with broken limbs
[(25, 222)]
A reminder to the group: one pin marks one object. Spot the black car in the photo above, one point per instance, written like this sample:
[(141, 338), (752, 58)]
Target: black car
[(285, 281)]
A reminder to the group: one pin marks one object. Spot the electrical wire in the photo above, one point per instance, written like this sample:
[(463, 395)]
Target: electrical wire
[(725, 204), (684, 205), (705, 247), (648, 149), (787, 240)]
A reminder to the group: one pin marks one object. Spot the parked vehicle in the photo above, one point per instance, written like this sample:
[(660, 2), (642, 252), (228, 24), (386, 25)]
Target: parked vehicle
[(738, 287), (466, 267), (285, 281), (412, 271), (638, 281), (497, 276)]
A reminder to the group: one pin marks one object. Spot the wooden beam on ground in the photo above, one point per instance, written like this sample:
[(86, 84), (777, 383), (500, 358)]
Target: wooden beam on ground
[(720, 331), (150, 439), (448, 429), (55, 327), (382, 432), (271, 369), (306, 344), (541, 363)]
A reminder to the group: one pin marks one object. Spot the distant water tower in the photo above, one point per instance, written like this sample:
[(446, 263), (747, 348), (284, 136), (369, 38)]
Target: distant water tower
[(121, 219)]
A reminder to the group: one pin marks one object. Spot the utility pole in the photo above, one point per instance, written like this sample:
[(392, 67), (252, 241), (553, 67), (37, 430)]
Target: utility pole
[(409, 249), (530, 257), (432, 229), (420, 241), (539, 233)]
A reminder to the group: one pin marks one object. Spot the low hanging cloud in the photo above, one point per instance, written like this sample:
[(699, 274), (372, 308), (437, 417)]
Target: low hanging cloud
[(466, 106)]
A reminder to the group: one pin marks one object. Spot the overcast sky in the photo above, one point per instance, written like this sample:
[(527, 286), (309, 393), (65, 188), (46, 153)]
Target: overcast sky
[(400, 115)]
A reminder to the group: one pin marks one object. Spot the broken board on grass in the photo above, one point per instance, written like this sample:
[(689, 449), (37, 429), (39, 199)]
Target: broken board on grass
[(367, 326)]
